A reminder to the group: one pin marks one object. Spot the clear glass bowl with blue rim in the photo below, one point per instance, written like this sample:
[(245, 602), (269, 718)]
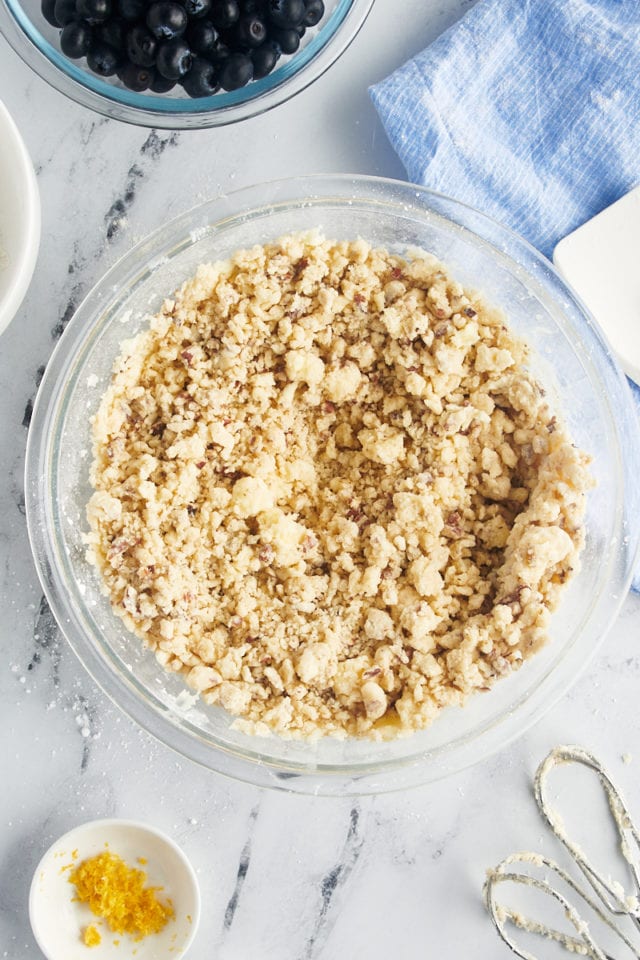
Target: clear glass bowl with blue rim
[(569, 356), (37, 43)]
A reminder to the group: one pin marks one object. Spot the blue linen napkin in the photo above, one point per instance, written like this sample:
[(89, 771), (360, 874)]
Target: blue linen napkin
[(528, 110)]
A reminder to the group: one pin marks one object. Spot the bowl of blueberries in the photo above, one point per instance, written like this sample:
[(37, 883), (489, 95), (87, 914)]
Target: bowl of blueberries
[(180, 63)]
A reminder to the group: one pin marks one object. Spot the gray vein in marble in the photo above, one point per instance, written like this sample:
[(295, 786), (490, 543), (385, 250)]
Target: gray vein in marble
[(116, 214), (87, 132), (333, 881), (46, 636), (17, 494), (153, 148), (243, 869), (155, 145), (75, 266), (76, 295), (47, 643), (115, 217), (28, 410), (628, 667)]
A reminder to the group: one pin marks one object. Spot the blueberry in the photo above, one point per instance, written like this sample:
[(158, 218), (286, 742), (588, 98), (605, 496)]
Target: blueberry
[(103, 59), (202, 37), (250, 31), (219, 53), (314, 12), (141, 46), (264, 59), (47, 8), (160, 84), (202, 79), (224, 13), (202, 44), (93, 11), (287, 40), (112, 32), (132, 10), (286, 13), (197, 8), (75, 39), (236, 71), (167, 20), (174, 59), (64, 12), (135, 77)]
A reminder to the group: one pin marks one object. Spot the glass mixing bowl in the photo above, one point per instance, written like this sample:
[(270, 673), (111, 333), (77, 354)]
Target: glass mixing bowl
[(570, 356), (36, 41)]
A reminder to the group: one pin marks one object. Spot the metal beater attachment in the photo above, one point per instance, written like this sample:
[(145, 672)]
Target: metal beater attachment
[(522, 869)]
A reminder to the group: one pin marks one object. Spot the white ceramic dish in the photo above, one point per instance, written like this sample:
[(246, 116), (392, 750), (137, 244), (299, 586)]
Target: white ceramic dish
[(58, 921), (19, 218)]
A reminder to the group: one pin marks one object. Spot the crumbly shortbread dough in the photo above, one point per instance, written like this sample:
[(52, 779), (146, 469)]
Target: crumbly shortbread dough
[(328, 491)]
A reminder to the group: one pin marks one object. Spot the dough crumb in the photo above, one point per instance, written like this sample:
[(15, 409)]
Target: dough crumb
[(330, 493)]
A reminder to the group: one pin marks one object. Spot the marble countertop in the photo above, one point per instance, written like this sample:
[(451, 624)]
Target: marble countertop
[(283, 877)]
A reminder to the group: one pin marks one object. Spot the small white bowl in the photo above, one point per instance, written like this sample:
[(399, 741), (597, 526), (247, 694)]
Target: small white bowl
[(58, 921), (19, 218)]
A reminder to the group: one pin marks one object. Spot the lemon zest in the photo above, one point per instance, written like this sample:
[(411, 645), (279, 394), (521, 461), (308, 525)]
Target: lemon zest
[(91, 936), (117, 893)]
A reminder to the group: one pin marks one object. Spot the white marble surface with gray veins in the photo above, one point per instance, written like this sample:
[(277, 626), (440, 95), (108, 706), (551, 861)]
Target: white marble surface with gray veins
[(283, 877)]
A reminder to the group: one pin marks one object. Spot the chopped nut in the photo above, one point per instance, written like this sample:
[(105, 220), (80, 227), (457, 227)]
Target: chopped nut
[(374, 699), (329, 493)]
